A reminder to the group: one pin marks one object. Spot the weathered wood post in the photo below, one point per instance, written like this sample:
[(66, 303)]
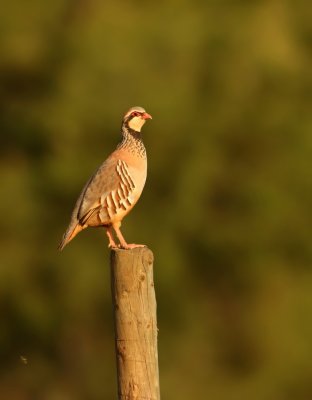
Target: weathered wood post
[(134, 305)]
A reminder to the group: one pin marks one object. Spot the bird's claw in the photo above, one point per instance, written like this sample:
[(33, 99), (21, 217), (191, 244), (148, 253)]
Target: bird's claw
[(131, 246)]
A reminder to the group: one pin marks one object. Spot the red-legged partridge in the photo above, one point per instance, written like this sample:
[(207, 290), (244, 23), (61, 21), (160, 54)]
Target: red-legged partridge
[(116, 186)]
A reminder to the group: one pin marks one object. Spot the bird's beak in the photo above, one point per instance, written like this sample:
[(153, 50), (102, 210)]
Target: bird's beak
[(146, 116)]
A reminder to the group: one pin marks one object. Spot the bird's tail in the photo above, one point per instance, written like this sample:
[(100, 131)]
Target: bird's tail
[(70, 233)]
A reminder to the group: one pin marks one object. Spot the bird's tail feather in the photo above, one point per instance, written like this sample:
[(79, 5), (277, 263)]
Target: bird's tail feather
[(71, 232)]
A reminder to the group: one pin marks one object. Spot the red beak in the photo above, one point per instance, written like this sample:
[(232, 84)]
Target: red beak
[(146, 116)]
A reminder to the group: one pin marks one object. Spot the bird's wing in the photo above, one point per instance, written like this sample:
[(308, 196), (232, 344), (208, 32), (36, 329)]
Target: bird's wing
[(110, 188)]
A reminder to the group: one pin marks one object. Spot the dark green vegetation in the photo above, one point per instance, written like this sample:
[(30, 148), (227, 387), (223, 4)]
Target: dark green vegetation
[(226, 209)]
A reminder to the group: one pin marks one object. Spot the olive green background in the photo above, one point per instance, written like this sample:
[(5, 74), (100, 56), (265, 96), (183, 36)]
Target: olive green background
[(226, 208)]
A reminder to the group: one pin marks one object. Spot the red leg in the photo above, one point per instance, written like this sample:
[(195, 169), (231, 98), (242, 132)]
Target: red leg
[(109, 234), (123, 243)]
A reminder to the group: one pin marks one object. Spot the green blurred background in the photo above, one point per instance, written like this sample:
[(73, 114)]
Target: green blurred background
[(226, 209)]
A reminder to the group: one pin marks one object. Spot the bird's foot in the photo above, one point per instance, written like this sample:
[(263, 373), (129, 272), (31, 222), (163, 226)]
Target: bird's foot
[(127, 246), (123, 244), (113, 246)]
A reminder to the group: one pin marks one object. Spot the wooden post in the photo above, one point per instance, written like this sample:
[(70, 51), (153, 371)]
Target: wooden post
[(134, 304)]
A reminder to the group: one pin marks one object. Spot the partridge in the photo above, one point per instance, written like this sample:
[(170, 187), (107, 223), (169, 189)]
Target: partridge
[(116, 186)]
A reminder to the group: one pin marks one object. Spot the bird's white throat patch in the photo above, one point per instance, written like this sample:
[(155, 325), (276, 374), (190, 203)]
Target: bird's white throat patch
[(136, 123)]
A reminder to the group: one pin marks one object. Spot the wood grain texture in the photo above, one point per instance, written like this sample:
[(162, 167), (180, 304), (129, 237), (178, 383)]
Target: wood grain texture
[(134, 304)]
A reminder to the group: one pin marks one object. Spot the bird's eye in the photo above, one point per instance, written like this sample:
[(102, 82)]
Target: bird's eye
[(135, 114)]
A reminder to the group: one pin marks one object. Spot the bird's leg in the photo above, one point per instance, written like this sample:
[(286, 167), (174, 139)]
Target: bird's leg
[(109, 234), (123, 243)]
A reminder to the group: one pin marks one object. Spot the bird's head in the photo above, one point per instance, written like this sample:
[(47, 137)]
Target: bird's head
[(135, 118)]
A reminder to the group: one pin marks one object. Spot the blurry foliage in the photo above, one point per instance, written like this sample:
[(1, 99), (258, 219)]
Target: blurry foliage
[(226, 209)]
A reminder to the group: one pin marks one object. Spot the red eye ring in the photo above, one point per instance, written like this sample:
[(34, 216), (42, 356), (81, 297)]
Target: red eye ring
[(135, 114)]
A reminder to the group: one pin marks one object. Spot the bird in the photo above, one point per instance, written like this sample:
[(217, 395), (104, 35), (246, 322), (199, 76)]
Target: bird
[(116, 186)]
